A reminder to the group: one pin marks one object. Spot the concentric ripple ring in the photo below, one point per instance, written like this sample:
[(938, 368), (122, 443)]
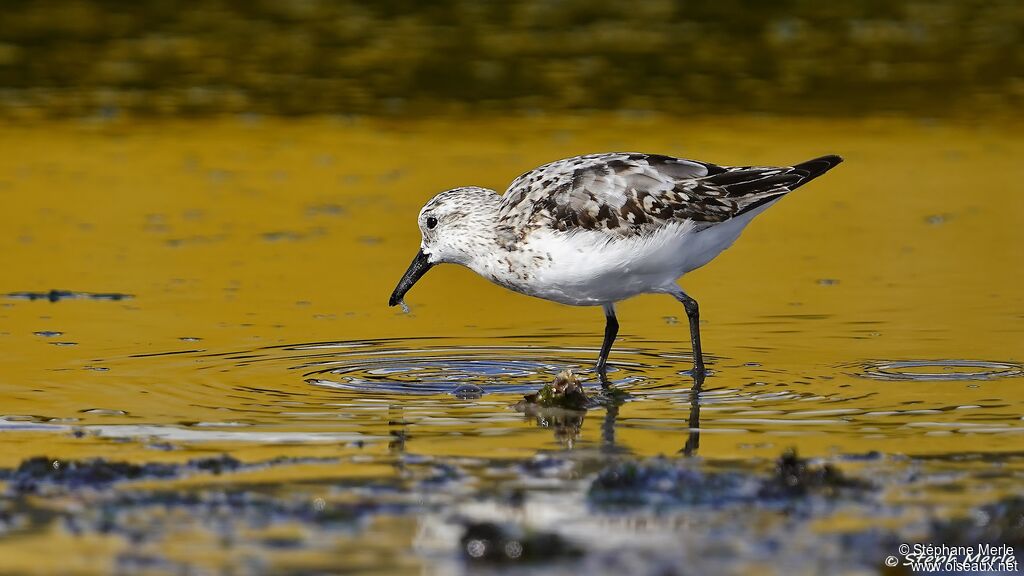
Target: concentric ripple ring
[(939, 370), (440, 370)]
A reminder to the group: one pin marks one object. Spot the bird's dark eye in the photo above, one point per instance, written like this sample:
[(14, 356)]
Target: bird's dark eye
[(431, 222)]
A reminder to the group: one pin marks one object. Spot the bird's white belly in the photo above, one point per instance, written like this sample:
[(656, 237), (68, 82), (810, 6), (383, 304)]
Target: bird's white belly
[(586, 268)]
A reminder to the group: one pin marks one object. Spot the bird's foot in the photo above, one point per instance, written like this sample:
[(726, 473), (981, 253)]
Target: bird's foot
[(698, 372)]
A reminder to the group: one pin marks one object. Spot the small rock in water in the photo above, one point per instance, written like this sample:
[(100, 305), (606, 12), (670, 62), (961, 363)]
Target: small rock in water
[(48, 333), (565, 392), (468, 392), (560, 406)]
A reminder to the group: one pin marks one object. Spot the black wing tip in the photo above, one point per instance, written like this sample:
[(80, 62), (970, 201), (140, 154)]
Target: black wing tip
[(818, 166)]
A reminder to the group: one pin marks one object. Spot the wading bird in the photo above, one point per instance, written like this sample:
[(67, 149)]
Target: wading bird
[(593, 230)]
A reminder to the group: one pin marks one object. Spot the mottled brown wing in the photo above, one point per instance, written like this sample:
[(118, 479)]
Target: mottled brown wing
[(628, 194)]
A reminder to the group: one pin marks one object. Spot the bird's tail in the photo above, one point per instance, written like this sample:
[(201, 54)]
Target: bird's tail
[(755, 186), (813, 168)]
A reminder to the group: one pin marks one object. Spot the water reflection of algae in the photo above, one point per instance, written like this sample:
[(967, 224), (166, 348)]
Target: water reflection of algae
[(258, 236)]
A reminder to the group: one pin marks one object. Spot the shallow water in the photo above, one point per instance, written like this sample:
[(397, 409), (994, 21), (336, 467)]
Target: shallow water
[(227, 295)]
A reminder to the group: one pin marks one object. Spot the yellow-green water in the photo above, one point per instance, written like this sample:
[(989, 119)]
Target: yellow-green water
[(260, 254)]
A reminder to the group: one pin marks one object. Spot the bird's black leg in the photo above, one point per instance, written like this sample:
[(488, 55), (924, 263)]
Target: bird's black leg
[(611, 329), (693, 313)]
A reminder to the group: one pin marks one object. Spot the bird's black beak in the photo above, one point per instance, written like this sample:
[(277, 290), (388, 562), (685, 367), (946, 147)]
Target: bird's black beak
[(417, 269)]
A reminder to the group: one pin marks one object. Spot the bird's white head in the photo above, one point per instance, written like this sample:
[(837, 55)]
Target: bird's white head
[(456, 226), (456, 223)]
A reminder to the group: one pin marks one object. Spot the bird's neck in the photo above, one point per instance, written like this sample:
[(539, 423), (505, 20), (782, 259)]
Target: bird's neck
[(491, 255)]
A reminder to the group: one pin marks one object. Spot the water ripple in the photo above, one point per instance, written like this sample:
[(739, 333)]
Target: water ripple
[(938, 370), (446, 369)]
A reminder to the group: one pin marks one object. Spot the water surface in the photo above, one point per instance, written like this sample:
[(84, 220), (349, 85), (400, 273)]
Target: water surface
[(226, 294)]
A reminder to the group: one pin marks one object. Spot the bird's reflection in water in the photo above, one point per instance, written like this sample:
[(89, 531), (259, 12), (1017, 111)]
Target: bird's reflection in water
[(397, 432), (608, 445), (693, 422)]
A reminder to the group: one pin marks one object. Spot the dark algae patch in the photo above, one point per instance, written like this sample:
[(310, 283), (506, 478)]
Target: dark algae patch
[(41, 474), (1000, 522), (665, 481), (680, 482), (58, 295), (36, 473), (795, 477), (251, 507)]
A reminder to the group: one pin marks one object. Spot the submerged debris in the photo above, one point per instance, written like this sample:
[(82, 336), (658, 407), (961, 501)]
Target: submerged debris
[(506, 543), (795, 477), (58, 295)]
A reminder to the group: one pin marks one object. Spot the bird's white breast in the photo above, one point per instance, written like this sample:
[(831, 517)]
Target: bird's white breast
[(588, 268)]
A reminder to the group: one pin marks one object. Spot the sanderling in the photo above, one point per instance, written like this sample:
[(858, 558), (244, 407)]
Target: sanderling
[(593, 230)]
